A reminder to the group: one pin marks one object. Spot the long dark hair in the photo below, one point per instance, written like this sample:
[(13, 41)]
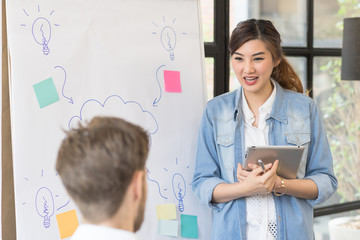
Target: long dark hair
[(265, 31)]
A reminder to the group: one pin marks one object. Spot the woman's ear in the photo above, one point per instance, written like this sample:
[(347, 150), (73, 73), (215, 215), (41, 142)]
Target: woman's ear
[(277, 62)]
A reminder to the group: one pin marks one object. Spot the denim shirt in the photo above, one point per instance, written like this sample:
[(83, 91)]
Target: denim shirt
[(294, 120)]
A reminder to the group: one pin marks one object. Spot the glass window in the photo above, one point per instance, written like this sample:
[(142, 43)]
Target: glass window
[(209, 74), (207, 14), (233, 81), (239, 11), (338, 102), (327, 24), (289, 17), (299, 65)]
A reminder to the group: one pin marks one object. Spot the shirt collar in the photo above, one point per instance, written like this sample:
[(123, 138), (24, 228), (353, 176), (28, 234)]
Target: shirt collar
[(93, 232), (264, 109), (268, 105)]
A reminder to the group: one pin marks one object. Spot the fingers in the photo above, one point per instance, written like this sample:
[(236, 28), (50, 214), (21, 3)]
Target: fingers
[(275, 166), (252, 166), (241, 174)]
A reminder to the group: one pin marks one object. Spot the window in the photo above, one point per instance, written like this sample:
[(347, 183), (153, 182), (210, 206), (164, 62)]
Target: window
[(313, 46)]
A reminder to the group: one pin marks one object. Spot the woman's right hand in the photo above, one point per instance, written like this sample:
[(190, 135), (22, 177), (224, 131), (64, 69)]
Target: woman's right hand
[(256, 180)]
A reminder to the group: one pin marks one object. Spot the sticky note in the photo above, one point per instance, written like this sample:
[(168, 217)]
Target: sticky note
[(172, 81), (168, 227), (46, 93), (67, 223), (189, 227), (166, 211)]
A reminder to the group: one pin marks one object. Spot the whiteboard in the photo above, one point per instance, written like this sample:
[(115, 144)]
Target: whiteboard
[(73, 59)]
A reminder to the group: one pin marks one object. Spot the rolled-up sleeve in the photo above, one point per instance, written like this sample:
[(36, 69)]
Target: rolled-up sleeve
[(207, 169), (320, 163)]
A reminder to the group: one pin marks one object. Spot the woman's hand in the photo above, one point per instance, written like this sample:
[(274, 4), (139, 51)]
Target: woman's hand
[(258, 181), (250, 183)]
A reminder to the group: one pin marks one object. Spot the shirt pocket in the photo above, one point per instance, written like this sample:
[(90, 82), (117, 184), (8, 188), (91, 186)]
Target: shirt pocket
[(225, 144), (300, 139), (297, 139)]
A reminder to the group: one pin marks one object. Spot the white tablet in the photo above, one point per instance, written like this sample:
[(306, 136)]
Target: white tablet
[(289, 158)]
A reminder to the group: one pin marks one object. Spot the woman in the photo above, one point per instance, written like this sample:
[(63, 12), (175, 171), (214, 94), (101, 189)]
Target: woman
[(268, 109)]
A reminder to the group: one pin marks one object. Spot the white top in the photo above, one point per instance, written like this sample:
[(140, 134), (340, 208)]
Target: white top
[(96, 232), (260, 209)]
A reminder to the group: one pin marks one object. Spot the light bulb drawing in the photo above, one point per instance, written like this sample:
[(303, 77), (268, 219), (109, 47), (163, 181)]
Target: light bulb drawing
[(168, 37), (47, 204), (41, 30), (179, 189), (44, 202), (168, 40)]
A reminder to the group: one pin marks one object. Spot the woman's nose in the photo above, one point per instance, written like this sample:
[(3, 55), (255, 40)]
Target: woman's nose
[(249, 67)]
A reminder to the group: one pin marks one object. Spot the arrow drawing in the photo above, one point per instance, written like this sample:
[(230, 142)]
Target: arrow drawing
[(70, 99), (158, 185), (156, 101)]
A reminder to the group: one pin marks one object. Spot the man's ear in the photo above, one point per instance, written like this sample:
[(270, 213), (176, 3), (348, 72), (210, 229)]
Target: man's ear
[(138, 182)]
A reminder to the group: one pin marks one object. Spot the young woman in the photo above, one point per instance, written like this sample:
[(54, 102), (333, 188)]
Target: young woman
[(268, 109)]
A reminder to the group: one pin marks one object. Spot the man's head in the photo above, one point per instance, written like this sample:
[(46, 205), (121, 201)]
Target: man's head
[(100, 162)]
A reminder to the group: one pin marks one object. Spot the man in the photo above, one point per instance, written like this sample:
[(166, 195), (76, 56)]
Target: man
[(102, 166)]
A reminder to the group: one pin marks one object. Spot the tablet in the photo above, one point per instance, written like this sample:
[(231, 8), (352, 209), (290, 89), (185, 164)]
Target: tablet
[(289, 158)]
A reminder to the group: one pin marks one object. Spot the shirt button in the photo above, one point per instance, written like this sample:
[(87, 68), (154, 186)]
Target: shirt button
[(227, 140)]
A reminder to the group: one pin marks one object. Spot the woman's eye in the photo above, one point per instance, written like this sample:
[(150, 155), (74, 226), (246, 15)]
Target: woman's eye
[(238, 58), (259, 59)]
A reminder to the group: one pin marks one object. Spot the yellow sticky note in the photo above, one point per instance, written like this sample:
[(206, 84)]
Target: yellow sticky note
[(67, 223), (166, 211)]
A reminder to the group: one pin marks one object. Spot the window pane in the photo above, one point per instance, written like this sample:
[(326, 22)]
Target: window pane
[(327, 25), (299, 64), (233, 81), (289, 17), (328, 21), (327, 227), (209, 68), (207, 14), (338, 102)]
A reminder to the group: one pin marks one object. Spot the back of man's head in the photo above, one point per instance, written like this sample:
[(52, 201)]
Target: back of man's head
[(97, 161)]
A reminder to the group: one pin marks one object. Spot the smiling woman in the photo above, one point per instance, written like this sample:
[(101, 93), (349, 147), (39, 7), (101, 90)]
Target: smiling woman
[(269, 108)]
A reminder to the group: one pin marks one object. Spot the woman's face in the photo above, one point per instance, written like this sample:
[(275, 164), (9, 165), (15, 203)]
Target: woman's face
[(253, 64)]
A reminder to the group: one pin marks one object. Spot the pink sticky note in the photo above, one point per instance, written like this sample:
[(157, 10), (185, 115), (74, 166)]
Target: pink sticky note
[(172, 81)]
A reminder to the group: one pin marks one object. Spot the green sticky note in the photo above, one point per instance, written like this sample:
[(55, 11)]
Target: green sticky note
[(46, 93), (168, 227), (189, 227)]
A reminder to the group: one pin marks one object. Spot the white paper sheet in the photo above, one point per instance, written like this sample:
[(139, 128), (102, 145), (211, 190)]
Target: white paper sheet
[(74, 59)]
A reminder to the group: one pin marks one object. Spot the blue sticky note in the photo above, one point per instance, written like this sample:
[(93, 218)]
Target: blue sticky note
[(168, 227), (189, 227), (46, 92)]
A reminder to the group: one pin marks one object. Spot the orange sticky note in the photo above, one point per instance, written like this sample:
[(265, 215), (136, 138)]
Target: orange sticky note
[(67, 223)]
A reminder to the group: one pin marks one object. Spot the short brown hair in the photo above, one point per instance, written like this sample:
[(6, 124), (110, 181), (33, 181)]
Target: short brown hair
[(265, 31), (96, 163)]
